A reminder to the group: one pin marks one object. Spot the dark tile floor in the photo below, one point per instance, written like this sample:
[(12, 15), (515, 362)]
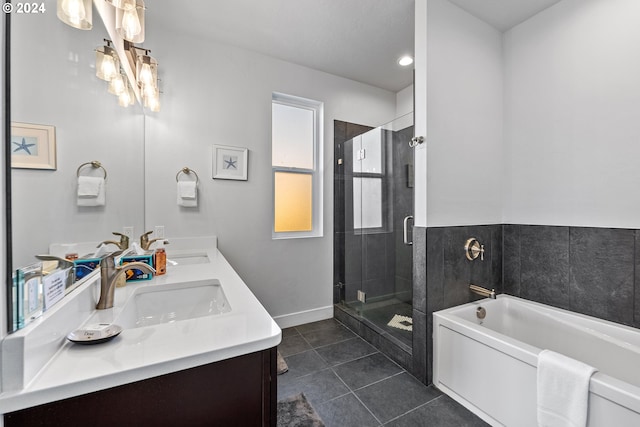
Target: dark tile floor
[(350, 383)]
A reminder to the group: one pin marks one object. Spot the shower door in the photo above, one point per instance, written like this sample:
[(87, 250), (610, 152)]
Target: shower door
[(378, 207)]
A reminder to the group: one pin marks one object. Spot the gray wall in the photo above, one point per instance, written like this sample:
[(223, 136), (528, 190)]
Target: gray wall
[(588, 270), (582, 269)]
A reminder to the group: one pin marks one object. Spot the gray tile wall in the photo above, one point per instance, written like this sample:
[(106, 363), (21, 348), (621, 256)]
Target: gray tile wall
[(421, 346), (594, 271), (583, 269), (445, 283)]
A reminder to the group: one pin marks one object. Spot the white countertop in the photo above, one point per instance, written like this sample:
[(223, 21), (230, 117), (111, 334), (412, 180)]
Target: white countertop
[(145, 352)]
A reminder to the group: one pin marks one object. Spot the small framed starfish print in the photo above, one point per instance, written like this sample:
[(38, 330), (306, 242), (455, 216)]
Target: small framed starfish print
[(33, 146), (230, 162)]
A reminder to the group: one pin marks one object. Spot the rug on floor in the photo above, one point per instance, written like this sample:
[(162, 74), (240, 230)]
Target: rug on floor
[(296, 411), (282, 365), (401, 322)]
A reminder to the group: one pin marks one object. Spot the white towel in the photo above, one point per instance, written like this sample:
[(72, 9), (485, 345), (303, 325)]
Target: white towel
[(187, 194), (563, 390), (91, 191)]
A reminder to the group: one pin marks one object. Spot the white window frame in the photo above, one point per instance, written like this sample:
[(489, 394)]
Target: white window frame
[(317, 108)]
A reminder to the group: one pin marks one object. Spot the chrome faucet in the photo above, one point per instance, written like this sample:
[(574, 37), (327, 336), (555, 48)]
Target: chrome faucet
[(479, 290), (110, 274), (145, 243), (123, 244)]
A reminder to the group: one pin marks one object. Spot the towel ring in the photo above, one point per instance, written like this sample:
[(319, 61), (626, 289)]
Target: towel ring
[(185, 170), (94, 164)]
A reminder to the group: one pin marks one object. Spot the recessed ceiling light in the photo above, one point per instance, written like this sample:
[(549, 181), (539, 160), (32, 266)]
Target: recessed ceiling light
[(405, 60)]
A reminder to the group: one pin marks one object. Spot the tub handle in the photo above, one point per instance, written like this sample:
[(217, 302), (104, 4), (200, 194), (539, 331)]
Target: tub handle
[(473, 249)]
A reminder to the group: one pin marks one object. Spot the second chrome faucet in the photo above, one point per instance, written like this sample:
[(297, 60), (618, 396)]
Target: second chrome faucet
[(123, 244)]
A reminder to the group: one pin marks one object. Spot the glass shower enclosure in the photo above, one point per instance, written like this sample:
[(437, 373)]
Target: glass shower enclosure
[(376, 178)]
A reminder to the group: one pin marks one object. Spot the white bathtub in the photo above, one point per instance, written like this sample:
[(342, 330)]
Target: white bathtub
[(489, 366)]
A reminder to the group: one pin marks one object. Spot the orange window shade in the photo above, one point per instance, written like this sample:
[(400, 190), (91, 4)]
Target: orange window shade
[(293, 202)]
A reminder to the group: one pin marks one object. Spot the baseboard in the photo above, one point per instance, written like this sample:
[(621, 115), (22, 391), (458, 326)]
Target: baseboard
[(302, 317)]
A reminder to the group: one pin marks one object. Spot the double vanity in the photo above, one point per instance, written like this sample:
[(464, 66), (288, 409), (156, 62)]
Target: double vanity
[(197, 348)]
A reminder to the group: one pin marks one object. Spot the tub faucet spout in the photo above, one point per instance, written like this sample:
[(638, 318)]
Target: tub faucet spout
[(479, 290)]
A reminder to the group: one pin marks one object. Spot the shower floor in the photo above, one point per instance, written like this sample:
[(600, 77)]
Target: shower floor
[(380, 314)]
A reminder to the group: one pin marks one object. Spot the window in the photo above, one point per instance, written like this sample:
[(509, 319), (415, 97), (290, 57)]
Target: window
[(369, 182), (296, 147)]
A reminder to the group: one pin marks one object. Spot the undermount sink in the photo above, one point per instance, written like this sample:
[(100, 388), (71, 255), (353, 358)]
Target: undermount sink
[(188, 259), (156, 304)]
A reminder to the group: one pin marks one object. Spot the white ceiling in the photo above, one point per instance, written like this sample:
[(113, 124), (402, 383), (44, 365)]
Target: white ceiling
[(357, 39), (504, 14)]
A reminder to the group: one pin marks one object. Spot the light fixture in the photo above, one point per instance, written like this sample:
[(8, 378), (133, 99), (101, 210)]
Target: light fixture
[(129, 24), (405, 61), (146, 70), (76, 13), (152, 100), (117, 84), (127, 97), (130, 21), (107, 62)]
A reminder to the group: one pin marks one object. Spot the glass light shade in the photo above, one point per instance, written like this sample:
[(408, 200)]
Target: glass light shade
[(130, 23), (76, 13), (149, 91), (155, 105), (117, 85), (127, 97), (123, 4), (146, 71), (152, 100), (107, 63)]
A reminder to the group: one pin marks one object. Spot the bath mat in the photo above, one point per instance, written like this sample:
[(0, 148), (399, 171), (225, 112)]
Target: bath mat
[(282, 365), (296, 411), (401, 322)]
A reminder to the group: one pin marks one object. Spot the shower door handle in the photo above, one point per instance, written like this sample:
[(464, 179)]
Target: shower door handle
[(405, 230)]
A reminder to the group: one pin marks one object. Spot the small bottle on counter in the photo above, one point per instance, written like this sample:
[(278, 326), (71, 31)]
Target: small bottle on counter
[(160, 261)]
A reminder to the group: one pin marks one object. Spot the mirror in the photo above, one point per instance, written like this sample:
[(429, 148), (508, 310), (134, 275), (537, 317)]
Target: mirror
[(213, 93), (53, 83)]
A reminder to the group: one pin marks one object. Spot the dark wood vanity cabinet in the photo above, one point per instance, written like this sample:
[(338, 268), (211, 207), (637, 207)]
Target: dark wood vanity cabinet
[(240, 391)]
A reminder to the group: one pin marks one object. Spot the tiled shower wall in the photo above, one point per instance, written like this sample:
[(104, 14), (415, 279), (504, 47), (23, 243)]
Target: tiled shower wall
[(594, 271), (587, 270)]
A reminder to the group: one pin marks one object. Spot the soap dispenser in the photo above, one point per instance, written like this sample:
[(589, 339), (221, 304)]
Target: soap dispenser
[(160, 261)]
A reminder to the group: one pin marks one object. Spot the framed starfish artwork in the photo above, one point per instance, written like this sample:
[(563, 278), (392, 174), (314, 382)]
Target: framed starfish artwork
[(230, 162), (33, 146)]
